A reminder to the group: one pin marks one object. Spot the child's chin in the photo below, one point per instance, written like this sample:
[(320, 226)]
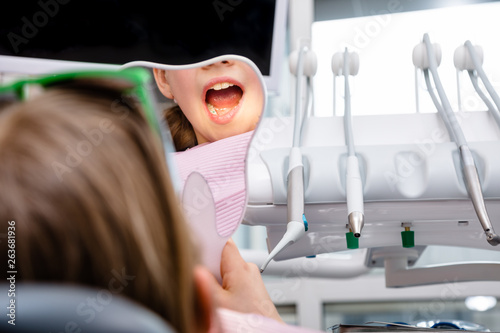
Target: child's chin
[(230, 133)]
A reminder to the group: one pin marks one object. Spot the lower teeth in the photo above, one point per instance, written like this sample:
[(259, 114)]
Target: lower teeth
[(211, 109)]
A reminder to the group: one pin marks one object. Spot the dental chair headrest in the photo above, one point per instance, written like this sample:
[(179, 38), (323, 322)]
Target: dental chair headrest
[(69, 308)]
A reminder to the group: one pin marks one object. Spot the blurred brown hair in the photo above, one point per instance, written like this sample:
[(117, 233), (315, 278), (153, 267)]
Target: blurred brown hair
[(85, 180), (181, 129)]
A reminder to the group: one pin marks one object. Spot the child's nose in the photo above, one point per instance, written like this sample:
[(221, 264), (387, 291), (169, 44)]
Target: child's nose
[(223, 63)]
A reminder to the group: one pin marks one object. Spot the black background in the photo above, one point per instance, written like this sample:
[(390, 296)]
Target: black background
[(119, 31)]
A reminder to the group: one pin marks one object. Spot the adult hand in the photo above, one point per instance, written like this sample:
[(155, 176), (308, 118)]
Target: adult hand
[(243, 289)]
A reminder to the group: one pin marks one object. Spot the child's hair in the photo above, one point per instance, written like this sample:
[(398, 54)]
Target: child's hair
[(85, 180), (181, 129)]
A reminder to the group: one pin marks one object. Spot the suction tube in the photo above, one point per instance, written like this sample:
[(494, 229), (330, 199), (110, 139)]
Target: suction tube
[(469, 57), (487, 84)]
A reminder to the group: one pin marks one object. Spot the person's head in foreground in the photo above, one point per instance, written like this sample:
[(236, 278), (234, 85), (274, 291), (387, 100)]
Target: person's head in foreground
[(213, 102), (85, 179)]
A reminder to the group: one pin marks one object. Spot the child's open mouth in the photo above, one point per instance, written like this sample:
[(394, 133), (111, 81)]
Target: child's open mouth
[(223, 100)]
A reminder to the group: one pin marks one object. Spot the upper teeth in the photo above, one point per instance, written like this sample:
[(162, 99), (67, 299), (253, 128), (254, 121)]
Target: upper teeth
[(221, 85)]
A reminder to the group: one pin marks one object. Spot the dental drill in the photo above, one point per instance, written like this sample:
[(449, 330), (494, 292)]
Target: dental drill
[(424, 57)]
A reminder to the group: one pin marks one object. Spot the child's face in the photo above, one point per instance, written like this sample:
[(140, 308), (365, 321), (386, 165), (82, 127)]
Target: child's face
[(219, 100)]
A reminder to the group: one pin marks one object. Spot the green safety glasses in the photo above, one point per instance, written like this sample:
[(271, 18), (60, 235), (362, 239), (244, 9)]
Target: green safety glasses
[(137, 80)]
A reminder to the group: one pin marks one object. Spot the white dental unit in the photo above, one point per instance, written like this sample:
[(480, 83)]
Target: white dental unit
[(418, 187)]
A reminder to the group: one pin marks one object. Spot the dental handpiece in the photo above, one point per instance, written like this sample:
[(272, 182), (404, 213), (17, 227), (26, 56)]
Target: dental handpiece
[(354, 185), (354, 189), (474, 188), (471, 177), (297, 224)]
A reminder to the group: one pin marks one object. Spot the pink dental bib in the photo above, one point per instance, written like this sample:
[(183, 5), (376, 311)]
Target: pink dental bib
[(222, 164)]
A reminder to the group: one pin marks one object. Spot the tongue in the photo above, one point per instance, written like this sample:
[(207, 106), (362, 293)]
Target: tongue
[(224, 98)]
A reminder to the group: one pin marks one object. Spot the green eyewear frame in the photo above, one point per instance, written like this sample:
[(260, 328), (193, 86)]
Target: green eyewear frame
[(139, 78)]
